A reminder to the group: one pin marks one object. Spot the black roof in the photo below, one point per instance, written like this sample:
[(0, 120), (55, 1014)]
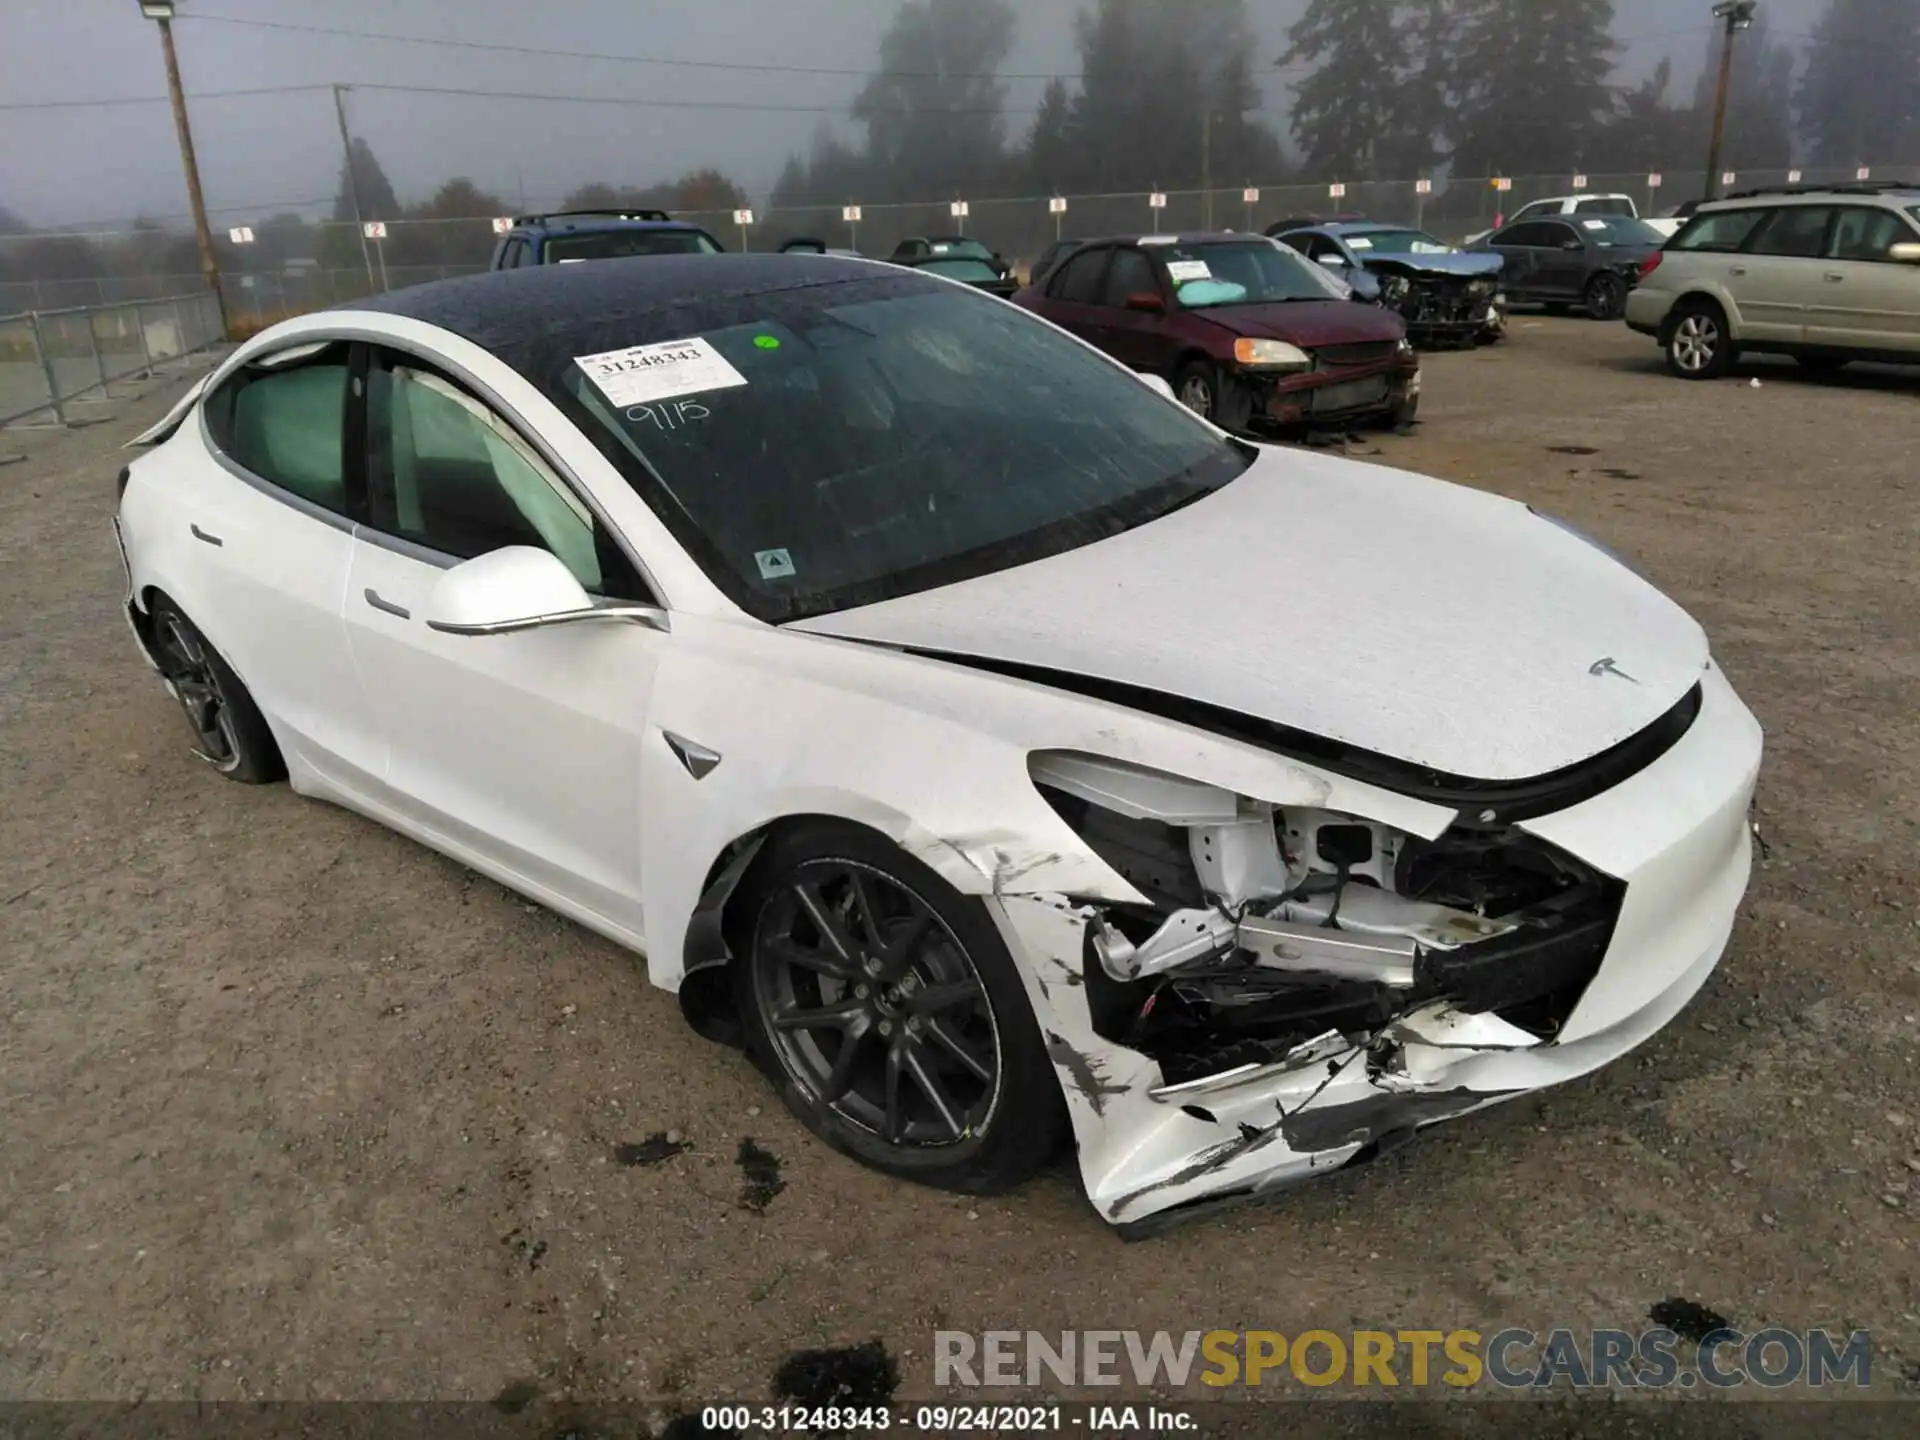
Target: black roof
[(506, 310)]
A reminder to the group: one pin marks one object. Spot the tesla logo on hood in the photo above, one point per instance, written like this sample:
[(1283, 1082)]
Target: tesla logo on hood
[(1607, 667)]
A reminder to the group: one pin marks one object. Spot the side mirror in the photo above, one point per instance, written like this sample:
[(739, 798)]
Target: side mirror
[(1334, 260), (1146, 302), (1158, 384), (519, 588), (1907, 252), (1571, 245)]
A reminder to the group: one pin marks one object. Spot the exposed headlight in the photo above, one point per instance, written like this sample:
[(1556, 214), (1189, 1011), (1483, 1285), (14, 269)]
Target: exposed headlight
[(1405, 347), (1271, 355), (1579, 534)]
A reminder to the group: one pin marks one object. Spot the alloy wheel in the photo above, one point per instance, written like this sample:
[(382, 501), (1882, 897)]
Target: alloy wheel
[(1197, 396), (196, 683), (874, 1008), (1695, 341), (1603, 299)]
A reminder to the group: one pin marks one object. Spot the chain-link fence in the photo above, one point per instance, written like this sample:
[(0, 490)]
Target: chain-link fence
[(290, 270), (52, 361)]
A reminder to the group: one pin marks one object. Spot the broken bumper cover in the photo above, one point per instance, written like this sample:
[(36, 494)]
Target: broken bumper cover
[(1675, 834)]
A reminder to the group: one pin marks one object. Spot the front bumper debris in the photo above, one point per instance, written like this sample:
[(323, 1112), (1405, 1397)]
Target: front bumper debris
[(1672, 839)]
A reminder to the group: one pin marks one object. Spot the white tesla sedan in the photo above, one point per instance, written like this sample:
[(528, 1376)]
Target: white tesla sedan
[(994, 748)]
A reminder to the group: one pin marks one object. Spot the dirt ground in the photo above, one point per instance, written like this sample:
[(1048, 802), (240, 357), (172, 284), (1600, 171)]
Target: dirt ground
[(294, 1108)]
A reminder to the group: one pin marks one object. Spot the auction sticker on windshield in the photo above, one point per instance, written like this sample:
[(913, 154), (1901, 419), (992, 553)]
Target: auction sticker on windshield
[(1185, 270), (642, 374)]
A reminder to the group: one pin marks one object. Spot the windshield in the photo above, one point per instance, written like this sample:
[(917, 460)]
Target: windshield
[(1398, 242), (960, 249), (1610, 230), (972, 271), (617, 244), (1207, 276), (834, 444)]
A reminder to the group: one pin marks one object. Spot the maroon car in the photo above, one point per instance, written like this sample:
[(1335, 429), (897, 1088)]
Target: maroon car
[(1246, 331)]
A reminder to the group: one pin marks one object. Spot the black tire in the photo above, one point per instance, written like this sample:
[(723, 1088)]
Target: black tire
[(924, 1059), (230, 733), (1204, 389), (1696, 341), (1606, 297)]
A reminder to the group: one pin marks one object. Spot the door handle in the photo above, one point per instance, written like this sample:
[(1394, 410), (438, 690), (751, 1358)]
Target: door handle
[(1737, 270), (200, 534), (373, 599), (1834, 277)]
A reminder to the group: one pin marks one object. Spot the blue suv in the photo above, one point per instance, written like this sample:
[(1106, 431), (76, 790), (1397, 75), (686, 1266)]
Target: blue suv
[(569, 235)]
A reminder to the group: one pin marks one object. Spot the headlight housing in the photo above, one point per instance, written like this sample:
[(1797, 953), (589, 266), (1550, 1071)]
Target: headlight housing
[(1270, 355)]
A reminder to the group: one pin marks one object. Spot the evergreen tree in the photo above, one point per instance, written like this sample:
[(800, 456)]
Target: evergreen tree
[(1050, 155), (1649, 132), (1533, 84), (1347, 113), (1424, 128), (1860, 96), (377, 200), (933, 110)]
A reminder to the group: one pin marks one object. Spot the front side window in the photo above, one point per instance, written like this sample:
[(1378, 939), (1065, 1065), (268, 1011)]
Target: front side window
[(1130, 274), (1209, 275), (831, 445), (1795, 231), (619, 244), (285, 421), (446, 472), (1867, 234)]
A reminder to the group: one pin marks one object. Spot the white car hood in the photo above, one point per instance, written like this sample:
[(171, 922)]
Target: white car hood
[(1408, 617)]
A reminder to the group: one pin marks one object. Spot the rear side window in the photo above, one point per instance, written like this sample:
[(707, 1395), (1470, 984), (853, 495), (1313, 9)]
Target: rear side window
[(1867, 234), (1531, 234), (1794, 231), (1079, 278), (1722, 232), (286, 424)]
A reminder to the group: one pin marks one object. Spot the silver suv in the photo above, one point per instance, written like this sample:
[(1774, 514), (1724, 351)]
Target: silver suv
[(1824, 275)]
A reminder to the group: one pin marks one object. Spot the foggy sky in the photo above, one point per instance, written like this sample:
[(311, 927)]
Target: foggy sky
[(77, 167)]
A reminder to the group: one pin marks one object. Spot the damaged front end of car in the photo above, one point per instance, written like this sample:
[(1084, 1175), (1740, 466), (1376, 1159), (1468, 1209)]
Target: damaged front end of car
[(1443, 305), (1300, 988)]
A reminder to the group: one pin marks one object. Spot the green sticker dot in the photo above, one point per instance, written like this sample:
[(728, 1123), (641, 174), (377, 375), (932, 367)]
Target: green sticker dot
[(766, 342)]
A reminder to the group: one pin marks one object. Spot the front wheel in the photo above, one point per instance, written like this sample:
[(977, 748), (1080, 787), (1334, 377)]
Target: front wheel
[(890, 1015), (1606, 297)]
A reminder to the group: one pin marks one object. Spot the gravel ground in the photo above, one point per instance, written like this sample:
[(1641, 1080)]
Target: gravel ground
[(297, 1109)]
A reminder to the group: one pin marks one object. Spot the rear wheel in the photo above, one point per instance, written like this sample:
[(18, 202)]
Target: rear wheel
[(230, 734), (1606, 297), (1697, 343), (890, 1015)]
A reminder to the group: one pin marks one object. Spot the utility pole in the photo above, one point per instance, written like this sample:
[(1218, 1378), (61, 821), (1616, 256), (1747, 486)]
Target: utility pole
[(1739, 16), (353, 183), (1206, 165), (161, 12)]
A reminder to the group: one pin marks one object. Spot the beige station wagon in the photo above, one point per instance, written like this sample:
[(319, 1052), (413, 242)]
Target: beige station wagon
[(1824, 275)]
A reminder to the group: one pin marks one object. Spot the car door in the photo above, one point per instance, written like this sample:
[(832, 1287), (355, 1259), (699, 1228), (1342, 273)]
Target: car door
[(1137, 338), (1074, 294), (1776, 280), (1520, 246), (274, 526), (1560, 260), (1867, 300), (522, 748)]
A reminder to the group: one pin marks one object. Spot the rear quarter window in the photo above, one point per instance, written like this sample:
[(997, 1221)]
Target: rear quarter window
[(1720, 232)]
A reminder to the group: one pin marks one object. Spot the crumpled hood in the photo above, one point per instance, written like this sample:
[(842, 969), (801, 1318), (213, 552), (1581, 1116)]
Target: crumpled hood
[(1415, 619), (1459, 262), (1307, 322)]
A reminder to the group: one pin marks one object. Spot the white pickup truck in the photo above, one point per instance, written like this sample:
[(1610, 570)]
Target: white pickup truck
[(1584, 204)]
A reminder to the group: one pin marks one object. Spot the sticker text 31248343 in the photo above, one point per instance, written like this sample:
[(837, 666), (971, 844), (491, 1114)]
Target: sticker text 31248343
[(642, 374)]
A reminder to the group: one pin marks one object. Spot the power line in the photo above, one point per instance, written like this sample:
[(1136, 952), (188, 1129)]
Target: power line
[(741, 65), (154, 99)]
